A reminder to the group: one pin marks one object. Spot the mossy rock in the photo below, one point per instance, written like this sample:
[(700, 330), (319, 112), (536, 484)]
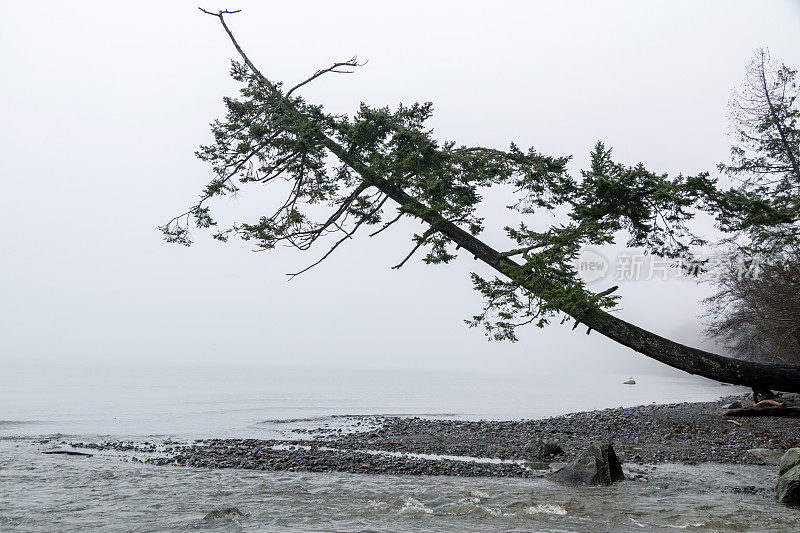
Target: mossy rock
[(539, 450)]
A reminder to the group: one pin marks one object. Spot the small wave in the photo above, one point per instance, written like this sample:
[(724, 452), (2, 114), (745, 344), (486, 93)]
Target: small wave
[(378, 505), (637, 522), (491, 511), (414, 506), (546, 508)]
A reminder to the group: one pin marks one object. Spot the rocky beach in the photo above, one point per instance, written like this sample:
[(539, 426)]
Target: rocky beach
[(687, 433)]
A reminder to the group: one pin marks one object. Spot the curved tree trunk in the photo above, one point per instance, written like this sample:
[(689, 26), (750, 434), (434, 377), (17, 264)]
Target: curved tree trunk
[(691, 360)]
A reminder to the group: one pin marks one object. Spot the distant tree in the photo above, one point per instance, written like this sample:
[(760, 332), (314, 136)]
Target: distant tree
[(762, 215), (340, 174), (756, 309)]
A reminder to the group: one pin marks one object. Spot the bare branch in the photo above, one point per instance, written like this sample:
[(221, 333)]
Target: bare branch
[(422, 240), (352, 62), (348, 235), (395, 219), (277, 168), (363, 186), (219, 13)]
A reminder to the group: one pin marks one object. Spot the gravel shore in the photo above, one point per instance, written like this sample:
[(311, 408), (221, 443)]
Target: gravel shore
[(686, 432)]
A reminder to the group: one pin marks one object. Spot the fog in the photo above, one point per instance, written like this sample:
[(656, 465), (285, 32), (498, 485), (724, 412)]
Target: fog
[(104, 104)]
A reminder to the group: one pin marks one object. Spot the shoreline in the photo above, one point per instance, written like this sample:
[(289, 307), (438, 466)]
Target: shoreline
[(687, 433)]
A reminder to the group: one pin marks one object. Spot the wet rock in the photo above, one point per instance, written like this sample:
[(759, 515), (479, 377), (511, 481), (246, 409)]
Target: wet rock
[(226, 513), (788, 488), (598, 465), (789, 459), (538, 450), (612, 461), (733, 405), (629, 382), (765, 455)]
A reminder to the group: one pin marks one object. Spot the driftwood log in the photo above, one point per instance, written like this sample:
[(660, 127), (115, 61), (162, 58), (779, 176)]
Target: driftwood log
[(766, 408), (68, 452)]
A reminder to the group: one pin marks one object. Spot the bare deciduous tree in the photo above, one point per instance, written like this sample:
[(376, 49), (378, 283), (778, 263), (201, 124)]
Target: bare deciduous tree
[(756, 310)]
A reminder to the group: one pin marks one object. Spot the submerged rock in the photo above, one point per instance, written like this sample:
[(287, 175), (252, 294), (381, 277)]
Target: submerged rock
[(788, 488), (226, 513), (598, 465), (537, 450)]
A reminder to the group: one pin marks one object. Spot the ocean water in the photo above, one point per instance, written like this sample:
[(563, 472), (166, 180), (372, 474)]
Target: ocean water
[(105, 493), (197, 402)]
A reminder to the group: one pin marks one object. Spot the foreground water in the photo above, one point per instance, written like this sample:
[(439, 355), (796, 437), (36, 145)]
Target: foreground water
[(105, 493), (58, 493)]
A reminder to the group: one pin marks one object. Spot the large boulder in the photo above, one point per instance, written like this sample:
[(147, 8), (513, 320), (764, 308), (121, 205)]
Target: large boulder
[(539, 450), (789, 459), (788, 488), (597, 465)]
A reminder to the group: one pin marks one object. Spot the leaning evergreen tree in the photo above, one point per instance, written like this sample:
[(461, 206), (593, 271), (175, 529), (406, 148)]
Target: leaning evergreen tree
[(382, 165)]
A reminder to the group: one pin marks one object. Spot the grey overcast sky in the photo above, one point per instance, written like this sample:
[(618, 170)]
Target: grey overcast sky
[(104, 103)]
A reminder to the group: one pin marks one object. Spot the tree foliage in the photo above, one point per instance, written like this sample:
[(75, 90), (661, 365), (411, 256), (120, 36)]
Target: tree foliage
[(762, 214)]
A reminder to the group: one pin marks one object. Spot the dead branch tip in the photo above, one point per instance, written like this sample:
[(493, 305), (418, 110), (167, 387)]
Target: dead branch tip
[(340, 67), (219, 13)]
